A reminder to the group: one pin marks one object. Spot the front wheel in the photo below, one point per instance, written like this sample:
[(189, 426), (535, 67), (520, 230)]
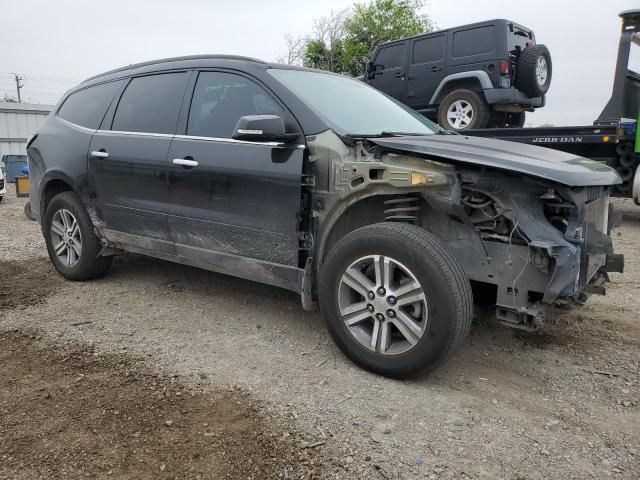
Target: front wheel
[(71, 242), (395, 300)]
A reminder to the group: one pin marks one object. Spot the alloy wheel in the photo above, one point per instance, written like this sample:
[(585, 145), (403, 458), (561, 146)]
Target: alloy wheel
[(383, 305), (460, 114), (542, 71), (66, 237)]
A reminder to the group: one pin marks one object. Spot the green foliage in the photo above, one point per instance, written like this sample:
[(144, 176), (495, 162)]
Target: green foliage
[(320, 55), (343, 41), (378, 22)]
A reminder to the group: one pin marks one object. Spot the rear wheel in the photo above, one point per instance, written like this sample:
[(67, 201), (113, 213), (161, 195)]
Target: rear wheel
[(463, 109), (395, 300), (71, 242)]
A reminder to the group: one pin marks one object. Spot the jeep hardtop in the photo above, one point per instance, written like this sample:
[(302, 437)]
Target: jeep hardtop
[(485, 74)]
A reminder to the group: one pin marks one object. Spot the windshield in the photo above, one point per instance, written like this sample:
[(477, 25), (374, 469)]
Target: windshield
[(351, 107)]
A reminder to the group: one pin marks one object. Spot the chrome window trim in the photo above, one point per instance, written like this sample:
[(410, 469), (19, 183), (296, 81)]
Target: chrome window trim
[(146, 134), (75, 125), (182, 137), (233, 140)]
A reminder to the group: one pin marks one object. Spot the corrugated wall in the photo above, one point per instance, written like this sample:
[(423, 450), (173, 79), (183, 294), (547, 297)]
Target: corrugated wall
[(17, 123)]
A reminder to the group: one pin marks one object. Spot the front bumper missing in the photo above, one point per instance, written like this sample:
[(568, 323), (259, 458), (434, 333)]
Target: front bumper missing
[(577, 268)]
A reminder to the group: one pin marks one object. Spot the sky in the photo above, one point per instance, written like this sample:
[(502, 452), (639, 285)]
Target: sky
[(56, 44)]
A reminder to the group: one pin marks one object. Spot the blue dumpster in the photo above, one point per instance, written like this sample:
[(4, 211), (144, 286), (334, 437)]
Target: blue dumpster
[(13, 166)]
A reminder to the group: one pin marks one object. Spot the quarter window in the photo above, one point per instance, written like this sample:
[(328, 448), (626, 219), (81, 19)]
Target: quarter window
[(220, 99), (151, 104), (87, 107), (391, 57), (474, 41)]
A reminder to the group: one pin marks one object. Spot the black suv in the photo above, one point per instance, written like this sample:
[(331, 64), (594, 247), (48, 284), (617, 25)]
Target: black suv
[(322, 185), (480, 75)]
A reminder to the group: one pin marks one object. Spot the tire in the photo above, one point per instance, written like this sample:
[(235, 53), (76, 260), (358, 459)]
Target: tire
[(507, 120), (446, 303), (88, 264), (1, 198), (451, 104), (628, 160), (534, 71)]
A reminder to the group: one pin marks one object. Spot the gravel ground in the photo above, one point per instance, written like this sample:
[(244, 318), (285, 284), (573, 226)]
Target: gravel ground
[(559, 403)]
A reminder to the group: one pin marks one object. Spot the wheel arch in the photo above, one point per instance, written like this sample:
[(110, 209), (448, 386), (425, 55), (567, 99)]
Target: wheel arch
[(364, 209), (476, 80), (52, 184)]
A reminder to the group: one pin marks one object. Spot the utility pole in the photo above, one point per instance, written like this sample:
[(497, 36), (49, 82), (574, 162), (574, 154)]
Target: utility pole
[(19, 85)]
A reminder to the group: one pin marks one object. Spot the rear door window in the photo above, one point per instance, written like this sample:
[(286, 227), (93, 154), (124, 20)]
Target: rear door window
[(221, 98), (87, 107), (151, 104), (474, 41), (430, 49), (391, 56)]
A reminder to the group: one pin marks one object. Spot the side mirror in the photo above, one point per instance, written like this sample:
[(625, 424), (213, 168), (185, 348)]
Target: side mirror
[(374, 69), (262, 128)]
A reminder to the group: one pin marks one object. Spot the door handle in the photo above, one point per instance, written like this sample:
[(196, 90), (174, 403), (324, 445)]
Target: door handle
[(99, 154), (399, 75), (185, 162), (436, 69)]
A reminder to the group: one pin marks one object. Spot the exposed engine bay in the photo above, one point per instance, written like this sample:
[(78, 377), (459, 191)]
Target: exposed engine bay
[(530, 246)]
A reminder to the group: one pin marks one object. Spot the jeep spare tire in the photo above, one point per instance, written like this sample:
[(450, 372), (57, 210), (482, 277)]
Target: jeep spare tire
[(534, 70)]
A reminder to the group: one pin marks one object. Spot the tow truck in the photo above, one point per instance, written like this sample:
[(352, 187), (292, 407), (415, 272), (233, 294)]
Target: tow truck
[(614, 137)]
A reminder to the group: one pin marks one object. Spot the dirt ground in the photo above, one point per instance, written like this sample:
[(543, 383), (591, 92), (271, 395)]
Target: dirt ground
[(559, 403)]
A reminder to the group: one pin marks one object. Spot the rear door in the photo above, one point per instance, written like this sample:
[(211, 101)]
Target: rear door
[(235, 204), (128, 161), (391, 76), (426, 69)]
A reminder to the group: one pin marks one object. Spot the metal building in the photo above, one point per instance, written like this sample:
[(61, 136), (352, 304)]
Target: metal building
[(18, 121)]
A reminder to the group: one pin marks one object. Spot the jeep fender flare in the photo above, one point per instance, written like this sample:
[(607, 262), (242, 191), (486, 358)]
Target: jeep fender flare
[(480, 75)]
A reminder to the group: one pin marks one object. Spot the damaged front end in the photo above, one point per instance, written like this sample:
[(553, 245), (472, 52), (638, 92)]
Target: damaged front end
[(544, 248), (530, 244)]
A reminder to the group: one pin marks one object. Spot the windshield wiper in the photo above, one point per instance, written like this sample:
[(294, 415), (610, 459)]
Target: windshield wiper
[(385, 134)]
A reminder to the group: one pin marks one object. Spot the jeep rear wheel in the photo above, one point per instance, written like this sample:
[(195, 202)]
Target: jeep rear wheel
[(463, 109), (395, 300), (534, 70)]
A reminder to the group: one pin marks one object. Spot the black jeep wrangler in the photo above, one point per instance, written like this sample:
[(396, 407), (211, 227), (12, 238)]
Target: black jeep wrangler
[(480, 75)]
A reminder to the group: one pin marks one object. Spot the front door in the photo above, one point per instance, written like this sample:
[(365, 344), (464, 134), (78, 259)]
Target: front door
[(234, 204), (390, 74), (426, 69), (129, 164)]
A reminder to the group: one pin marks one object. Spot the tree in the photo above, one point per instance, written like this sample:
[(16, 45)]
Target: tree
[(9, 99), (343, 41), (296, 48), (324, 48), (377, 22)]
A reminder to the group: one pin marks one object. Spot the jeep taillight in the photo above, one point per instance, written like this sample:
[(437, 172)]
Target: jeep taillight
[(505, 67)]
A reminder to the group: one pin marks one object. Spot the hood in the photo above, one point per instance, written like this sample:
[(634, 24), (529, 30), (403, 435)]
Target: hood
[(538, 162)]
